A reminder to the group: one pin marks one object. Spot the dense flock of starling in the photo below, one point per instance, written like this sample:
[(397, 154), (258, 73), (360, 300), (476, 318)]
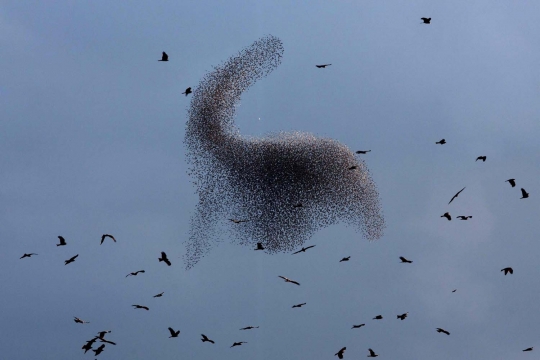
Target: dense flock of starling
[(278, 189)]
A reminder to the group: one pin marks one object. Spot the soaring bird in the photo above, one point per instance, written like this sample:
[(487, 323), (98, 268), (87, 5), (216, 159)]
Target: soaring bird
[(508, 270), (524, 194), (206, 339), (238, 221), (141, 307), (71, 259), (238, 343), (455, 196), (363, 151), (339, 354), (105, 236), (135, 273), (62, 241), (249, 327), (259, 246), (27, 255), (461, 217), (298, 305), (441, 142), (403, 260), (99, 350), (303, 249), (378, 317), (289, 280), (345, 259), (164, 258), (358, 326), (159, 295), (164, 56), (372, 353), (512, 182), (439, 330), (79, 321), (173, 333), (426, 21), (454, 290), (188, 91), (323, 66), (447, 215), (402, 316), (528, 349), (483, 158)]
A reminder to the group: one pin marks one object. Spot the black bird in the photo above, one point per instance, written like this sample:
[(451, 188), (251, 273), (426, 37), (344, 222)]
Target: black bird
[(164, 56), (298, 205), (372, 353), (358, 326), (173, 333), (249, 327), (528, 349), (298, 305), (402, 316), (512, 182), (447, 215), (27, 255), (426, 21), (62, 241), (99, 350), (164, 258), (188, 91), (508, 270), (439, 330), (303, 249), (454, 290), (483, 158), (461, 217), (403, 260), (455, 196), (79, 321), (70, 260), (158, 295), (339, 354), (135, 273), (141, 307), (442, 141), (524, 194), (378, 317), (205, 338), (105, 236), (259, 246), (323, 66), (363, 151), (345, 259), (289, 280), (238, 221), (353, 167), (238, 343)]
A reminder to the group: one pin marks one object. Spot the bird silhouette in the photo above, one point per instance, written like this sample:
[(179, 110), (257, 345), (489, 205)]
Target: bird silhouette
[(339, 354), (27, 255), (298, 305), (164, 259), (483, 158), (159, 295), (79, 321), (454, 290), (512, 182), (345, 259), (105, 236), (524, 194), (259, 246), (289, 280), (173, 333), (249, 327), (439, 330), (402, 316), (62, 241), (447, 215), (71, 259), (99, 350), (206, 339), (372, 353), (363, 151), (403, 260), (353, 167), (188, 91), (303, 249), (164, 56), (141, 307), (378, 317), (426, 21), (462, 217), (441, 142), (455, 196), (238, 343), (323, 66), (238, 221), (358, 326), (528, 349), (135, 273), (508, 270)]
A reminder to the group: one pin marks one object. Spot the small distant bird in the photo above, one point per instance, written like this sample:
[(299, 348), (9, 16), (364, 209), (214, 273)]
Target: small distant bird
[(101, 334), (454, 290), (135, 273), (353, 167), (303, 249), (27, 255), (298, 205), (358, 326), (439, 330), (298, 305), (99, 350), (403, 260), (339, 354), (447, 215), (188, 91), (238, 221), (372, 353), (205, 338), (238, 343), (483, 158), (461, 217), (512, 182), (71, 259), (508, 270), (289, 280), (105, 236), (158, 295), (323, 66), (164, 259), (524, 194), (259, 246), (164, 56), (141, 307), (79, 321), (345, 259), (528, 349), (62, 241), (455, 196), (426, 21), (378, 317), (249, 327), (363, 151), (402, 316), (173, 333), (442, 141)]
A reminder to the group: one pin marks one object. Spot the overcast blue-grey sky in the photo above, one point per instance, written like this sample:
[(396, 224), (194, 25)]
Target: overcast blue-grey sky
[(92, 142)]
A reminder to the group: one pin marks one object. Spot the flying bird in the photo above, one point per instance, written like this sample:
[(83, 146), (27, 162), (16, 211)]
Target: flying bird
[(188, 91), (205, 338), (483, 158), (164, 258), (378, 317), (439, 330), (454, 290), (27, 255), (403, 260), (345, 259), (141, 307), (289, 280), (303, 249), (441, 142), (238, 221), (426, 21), (528, 349), (259, 246), (159, 295), (238, 343), (363, 151), (173, 333), (508, 270), (135, 273), (249, 327), (71, 259), (298, 305), (339, 354), (372, 353), (402, 316), (79, 321), (353, 167), (447, 215), (524, 194), (461, 217), (62, 241), (99, 350), (455, 196), (164, 56), (323, 66), (358, 326), (512, 182), (105, 236)]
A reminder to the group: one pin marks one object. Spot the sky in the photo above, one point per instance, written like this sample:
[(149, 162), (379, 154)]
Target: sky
[(92, 143)]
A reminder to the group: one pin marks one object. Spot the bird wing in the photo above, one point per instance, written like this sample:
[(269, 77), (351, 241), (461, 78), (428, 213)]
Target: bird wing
[(283, 277), (309, 247), (204, 337), (171, 330), (73, 258), (523, 192), (167, 262), (371, 352), (402, 258), (102, 239), (455, 196), (294, 282), (296, 252)]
